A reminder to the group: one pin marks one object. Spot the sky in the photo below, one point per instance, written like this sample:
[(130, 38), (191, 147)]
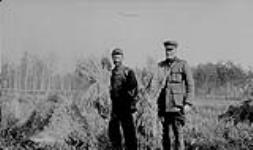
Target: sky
[(206, 30)]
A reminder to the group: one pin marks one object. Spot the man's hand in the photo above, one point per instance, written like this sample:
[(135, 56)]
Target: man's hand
[(161, 116), (133, 108), (187, 108), (162, 119)]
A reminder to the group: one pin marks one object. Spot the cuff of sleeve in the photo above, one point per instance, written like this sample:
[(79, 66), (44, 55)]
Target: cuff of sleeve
[(187, 102)]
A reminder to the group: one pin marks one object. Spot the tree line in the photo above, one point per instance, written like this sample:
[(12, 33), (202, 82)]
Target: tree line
[(224, 79), (221, 79)]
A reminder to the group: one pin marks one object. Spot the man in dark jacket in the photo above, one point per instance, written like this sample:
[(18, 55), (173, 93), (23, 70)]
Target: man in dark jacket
[(175, 96), (123, 95)]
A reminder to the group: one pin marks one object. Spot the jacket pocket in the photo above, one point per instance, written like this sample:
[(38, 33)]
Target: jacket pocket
[(176, 77), (178, 99), (176, 88)]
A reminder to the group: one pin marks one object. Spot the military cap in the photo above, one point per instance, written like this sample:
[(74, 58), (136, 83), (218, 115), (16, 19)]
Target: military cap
[(117, 51), (169, 42)]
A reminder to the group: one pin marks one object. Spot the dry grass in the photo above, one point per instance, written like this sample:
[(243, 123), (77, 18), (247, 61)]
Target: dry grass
[(204, 131)]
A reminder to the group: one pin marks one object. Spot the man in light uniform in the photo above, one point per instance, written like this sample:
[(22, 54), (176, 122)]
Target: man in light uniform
[(175, 96)]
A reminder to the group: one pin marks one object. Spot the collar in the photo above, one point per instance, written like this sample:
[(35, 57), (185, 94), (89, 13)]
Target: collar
[(170, 61)]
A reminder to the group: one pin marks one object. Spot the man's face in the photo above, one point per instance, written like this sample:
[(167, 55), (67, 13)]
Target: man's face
[(170, 51), (117, 60)]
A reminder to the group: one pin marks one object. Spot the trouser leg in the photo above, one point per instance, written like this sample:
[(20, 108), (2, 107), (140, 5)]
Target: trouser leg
[(166, 135), (114, 133), (129, 132), (177, 128)]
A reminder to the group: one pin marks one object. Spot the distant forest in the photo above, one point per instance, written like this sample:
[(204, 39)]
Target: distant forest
[(222, 79), (225, 80)]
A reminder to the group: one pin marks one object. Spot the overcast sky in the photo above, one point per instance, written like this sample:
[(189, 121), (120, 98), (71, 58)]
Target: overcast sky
[(206, 30)]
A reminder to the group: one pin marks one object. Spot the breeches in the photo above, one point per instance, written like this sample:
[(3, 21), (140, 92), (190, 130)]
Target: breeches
[(175, 122)]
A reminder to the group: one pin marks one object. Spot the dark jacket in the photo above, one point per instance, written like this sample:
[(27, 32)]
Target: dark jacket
[(124, 89), (178, 89)]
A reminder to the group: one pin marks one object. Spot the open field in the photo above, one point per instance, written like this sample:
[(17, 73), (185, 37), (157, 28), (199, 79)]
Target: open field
[(204, 129)]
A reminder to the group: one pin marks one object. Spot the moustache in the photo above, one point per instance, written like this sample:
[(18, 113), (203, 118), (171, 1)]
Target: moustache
[(116, 62)]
